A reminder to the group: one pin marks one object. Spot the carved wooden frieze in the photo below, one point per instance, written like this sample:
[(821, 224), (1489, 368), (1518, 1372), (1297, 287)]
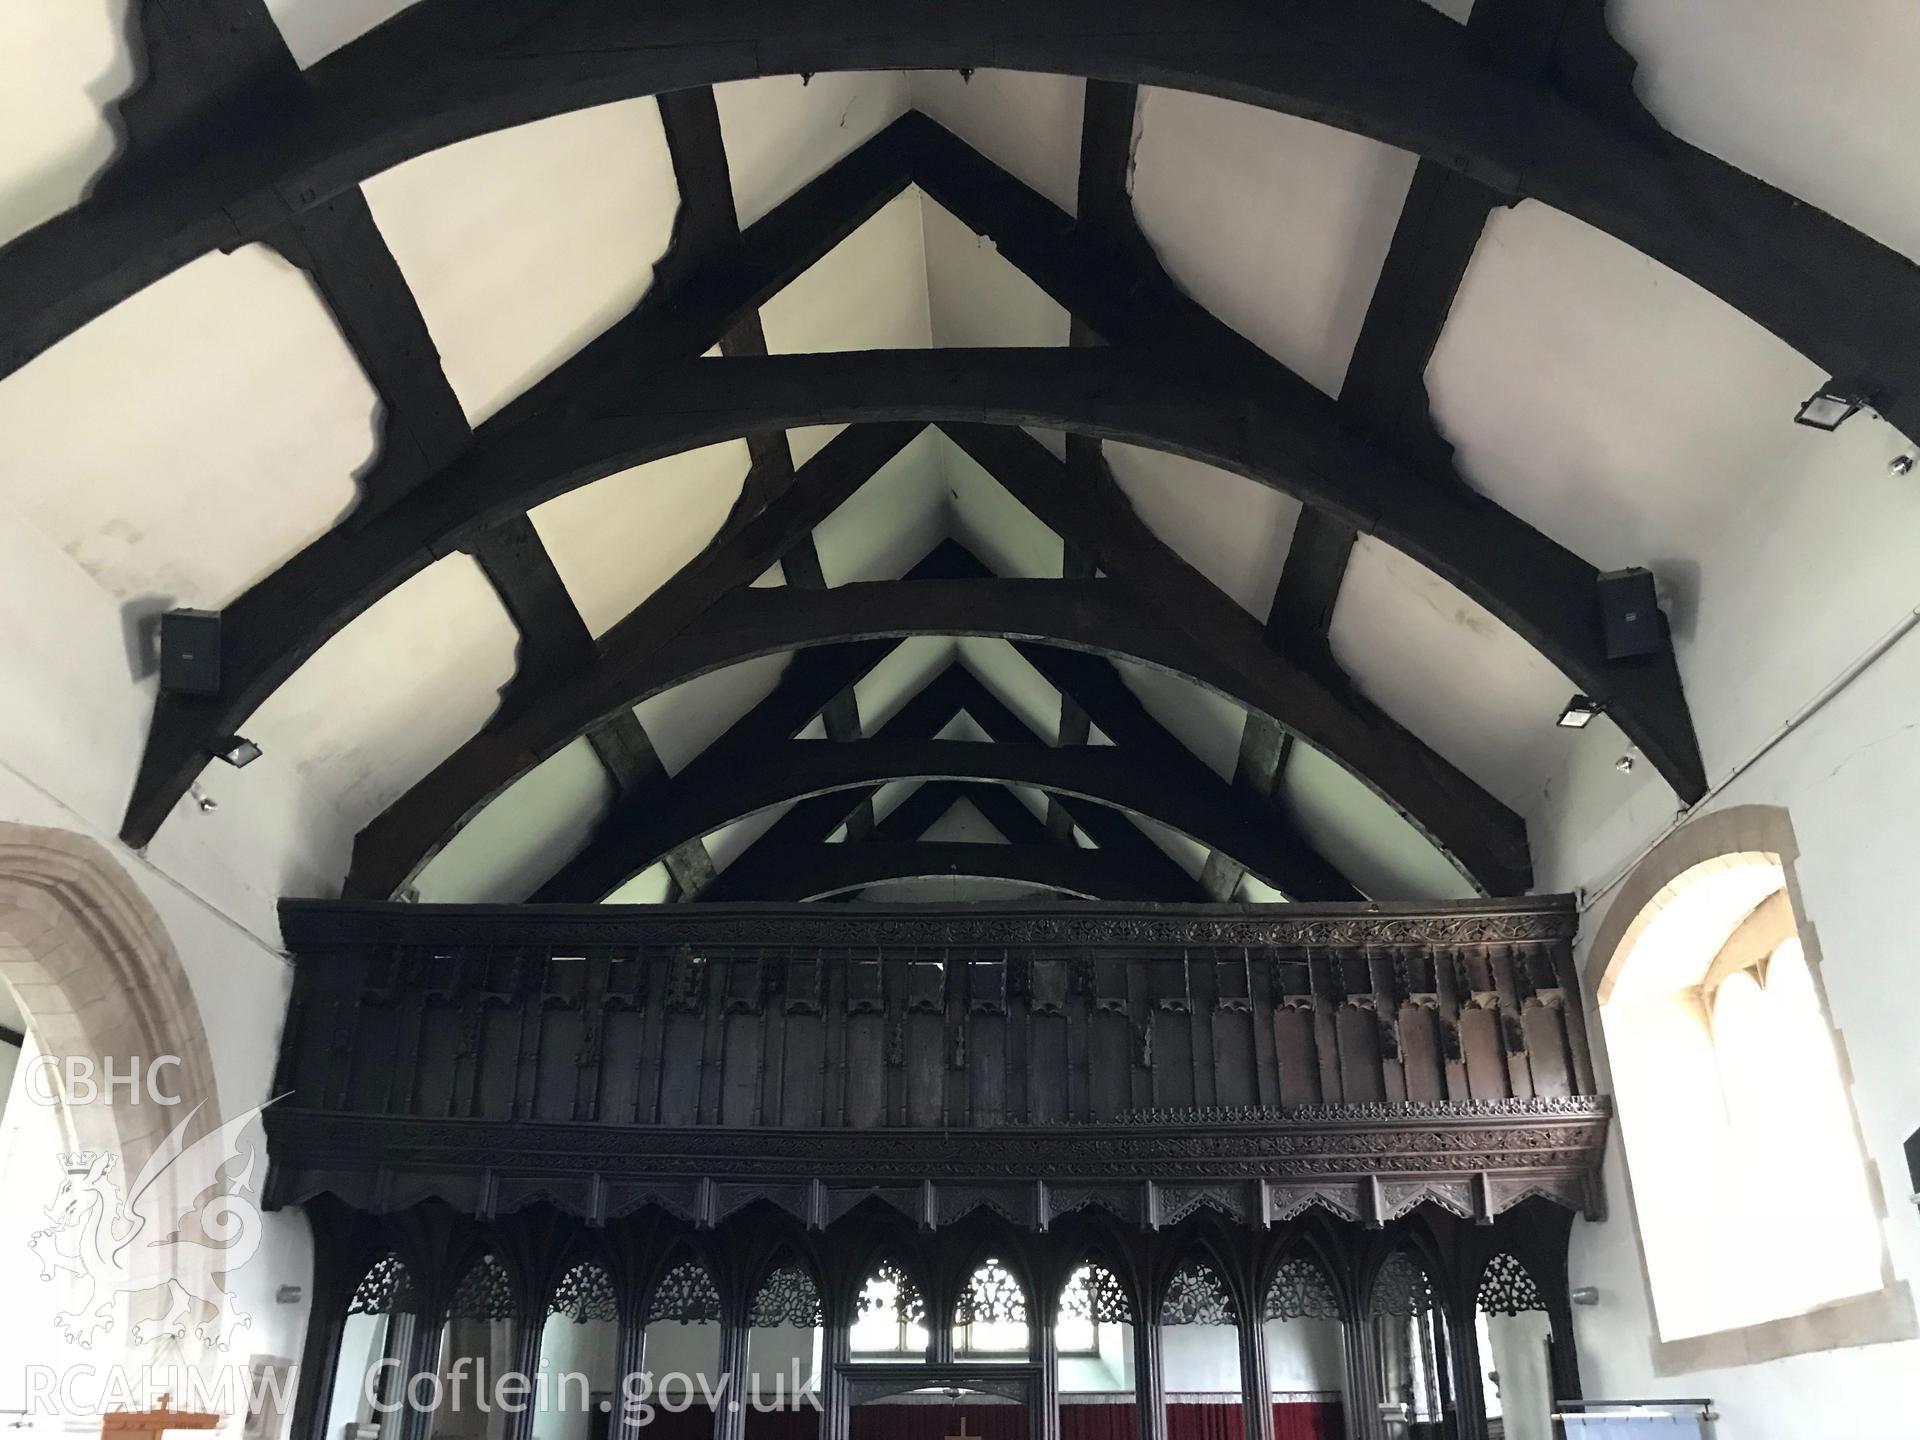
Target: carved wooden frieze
[(313, 924), (1246, 1060)]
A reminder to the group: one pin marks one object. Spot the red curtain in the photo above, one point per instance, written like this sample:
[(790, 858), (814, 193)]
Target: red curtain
[(935, 1422), (1309, 1420), (1187, 1421), (1097, 1422)]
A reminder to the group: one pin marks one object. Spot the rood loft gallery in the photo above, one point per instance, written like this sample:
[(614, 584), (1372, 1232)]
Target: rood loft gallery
[(887, 720)]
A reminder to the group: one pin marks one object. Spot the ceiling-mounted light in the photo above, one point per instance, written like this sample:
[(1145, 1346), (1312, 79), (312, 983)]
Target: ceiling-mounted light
[(236, 750), (1832, 405), (1579, 714)]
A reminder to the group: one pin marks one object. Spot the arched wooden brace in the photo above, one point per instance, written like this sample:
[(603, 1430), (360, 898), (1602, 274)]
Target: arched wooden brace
[(1095, 616), (954, 691), (277, 624), (829, 870), (768, 864), (1107, 775), (275, 627), (1544, 591), (1395, 70)]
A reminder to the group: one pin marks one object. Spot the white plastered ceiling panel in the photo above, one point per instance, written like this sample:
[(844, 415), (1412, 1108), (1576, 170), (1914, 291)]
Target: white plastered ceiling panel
[(868, 293), (194, 438), (62, 65), (616, 540), (396, 691), (314, 29), (1027, 123), (511, 848), (683, 721), (1276, 224), (1618, 408), (523, 244), (783, 131)]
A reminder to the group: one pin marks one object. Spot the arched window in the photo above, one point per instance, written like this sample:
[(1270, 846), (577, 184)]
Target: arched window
[(785, 1341), (1306, 1338), (579, 1355), (680, 1344), (379, 1327), (890, 1316), (1200, 1354), (1734, 1114), (476, 1349), (1411, 1349), (1516, 1364), (1091, 1299), (1093, 1335), (990, 1316)]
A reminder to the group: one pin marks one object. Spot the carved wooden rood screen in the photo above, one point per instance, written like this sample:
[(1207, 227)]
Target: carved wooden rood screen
[(1001, 1173)]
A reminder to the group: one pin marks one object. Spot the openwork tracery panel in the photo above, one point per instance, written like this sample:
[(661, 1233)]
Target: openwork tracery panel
[(1300, 1291), (485, 1292), (1507, 1288), (1094, 1294), (1196, 1296), (585, 1293), (1401, 1288), (685, 1296), (386, 1289), (788, 1297), (993, 1296), (890, 1291)]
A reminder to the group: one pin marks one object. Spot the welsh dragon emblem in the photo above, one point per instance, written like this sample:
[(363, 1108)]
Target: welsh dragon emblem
[(119, 1245)]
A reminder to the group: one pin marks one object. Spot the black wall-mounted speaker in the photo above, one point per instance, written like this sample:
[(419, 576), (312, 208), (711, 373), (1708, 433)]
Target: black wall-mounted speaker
[(1631, 613), (190, 652)]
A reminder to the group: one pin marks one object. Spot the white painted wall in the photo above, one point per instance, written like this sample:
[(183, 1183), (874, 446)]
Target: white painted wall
[(1306, 1354), (1201, 1359), (71, 728), (1809, 583), (573, 1348)]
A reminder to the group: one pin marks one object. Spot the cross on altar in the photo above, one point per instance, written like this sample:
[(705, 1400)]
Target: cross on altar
[(148, 1424), (962, 1434)]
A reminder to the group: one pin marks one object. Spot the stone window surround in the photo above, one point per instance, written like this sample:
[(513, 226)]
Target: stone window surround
[(97, 975), (1736, 835)]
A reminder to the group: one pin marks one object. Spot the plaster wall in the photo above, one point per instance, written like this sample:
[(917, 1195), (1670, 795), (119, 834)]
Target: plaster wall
[(72, 717), (1846, 775)]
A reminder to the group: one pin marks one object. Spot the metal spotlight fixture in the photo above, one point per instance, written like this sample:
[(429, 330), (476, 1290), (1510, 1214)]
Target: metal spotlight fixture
[(236, 750), (1580, 713), (1832, 405)]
